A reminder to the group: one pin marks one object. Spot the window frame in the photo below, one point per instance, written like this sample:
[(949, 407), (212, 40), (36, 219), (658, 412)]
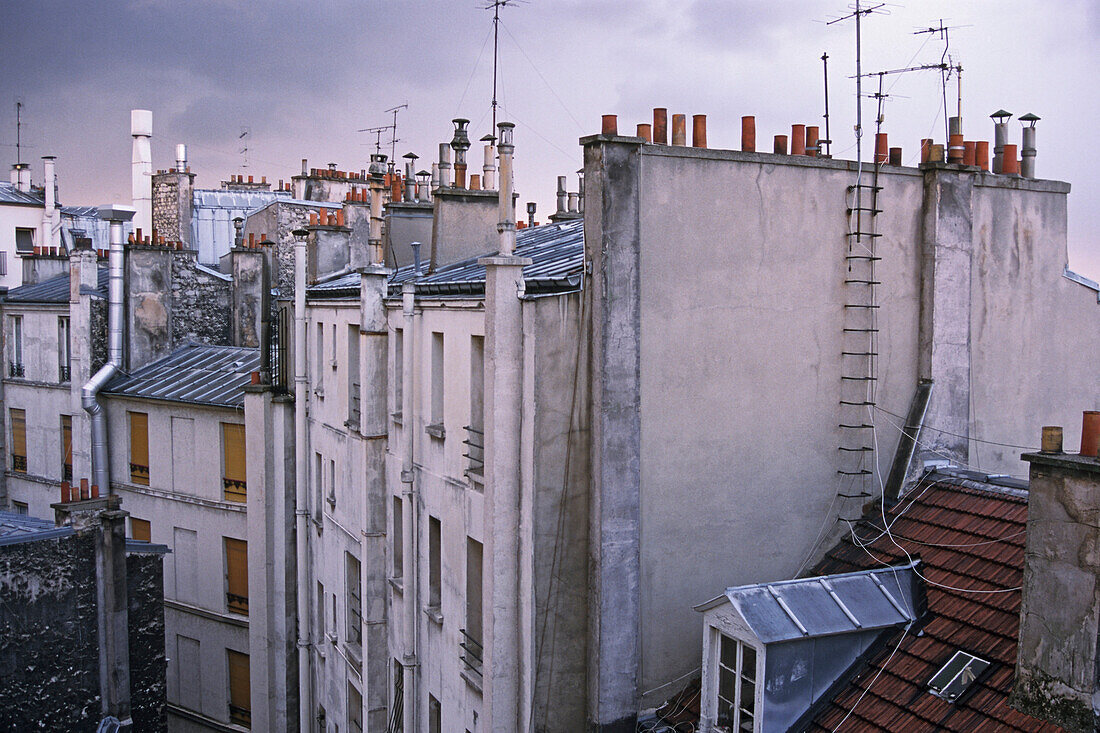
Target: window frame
[(353, 599), (235, 601), (16, 366), (17, 416), (139, 472), (64, 349), (234, 488), (736, 706), (239, 699)]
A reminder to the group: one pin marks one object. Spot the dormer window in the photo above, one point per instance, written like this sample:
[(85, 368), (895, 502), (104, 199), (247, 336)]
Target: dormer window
[(955, 677), (736, 685)]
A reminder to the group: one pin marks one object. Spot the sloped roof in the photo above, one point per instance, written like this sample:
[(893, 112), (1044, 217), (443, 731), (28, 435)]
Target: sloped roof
[(556, 251), (858, 601), (968, 536), (16, 528), (53, 290), (196, 373), (9, 194)]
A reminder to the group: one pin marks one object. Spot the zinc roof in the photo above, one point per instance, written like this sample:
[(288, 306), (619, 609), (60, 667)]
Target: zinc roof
[(53, 290), (820, 606), (15, 528), (196, 373), (9, 194), (969, 537)]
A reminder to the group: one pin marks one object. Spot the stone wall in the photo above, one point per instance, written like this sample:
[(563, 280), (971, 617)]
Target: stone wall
[(148, 662), (49, 658), (172, 205), (200, 303)]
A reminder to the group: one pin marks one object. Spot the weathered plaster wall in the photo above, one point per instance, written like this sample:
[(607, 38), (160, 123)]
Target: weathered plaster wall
[(464, 226)]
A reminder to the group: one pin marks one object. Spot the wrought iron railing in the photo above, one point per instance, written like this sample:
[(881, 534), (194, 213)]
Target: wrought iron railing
[(64, 372), (236, 603), (67, 472), (278, 354), (14, 369), (19, 463), (139, 474), (239, 715), (471, 652), (475, 450), (235, 490)]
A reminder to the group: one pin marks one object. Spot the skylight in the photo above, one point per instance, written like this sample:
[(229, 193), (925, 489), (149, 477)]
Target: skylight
[(957, 675)]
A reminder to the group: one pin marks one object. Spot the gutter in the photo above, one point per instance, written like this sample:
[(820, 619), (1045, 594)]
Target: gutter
[(101, 471)]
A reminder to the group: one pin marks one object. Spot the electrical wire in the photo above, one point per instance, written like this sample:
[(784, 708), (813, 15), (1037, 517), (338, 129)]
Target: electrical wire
[(874, 679), (532, 63), (964, 437), (472, 72), (949, 457)]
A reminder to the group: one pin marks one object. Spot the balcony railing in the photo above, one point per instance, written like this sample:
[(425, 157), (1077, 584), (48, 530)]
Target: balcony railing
[(234, 490), (64, 372), (475, 450), (471, 653), (139, 474), (67, 472), (236, 603), (240, 716), (15, 370), (19, 463)]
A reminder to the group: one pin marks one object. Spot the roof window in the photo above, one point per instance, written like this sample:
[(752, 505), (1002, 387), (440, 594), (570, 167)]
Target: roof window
[(955, 677)]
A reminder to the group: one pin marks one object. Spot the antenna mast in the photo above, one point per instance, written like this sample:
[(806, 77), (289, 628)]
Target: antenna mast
[(18, 131), (496, 5), (393, 137)]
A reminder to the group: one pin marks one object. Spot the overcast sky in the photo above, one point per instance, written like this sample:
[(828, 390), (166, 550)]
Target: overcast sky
[(303, 77)]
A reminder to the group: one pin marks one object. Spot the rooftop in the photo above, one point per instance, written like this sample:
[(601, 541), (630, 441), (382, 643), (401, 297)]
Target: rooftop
[(556, 251), (196, 374), (9, 194), (53, 290), (970, 539), (16, 528)]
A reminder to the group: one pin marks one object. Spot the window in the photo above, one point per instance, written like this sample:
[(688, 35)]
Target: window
[(24, 239), (396, 702), (397, 552), (233, 477), (139, 448), (736, 684), (236, 573), (319, 362), (471, 635), (15, 362), (240, 694), (434, 715), (3, 263), (318, 481), (18, 420), (19, 507), (355, 710), (437, 380), (66, 448), (331, 483), (353, 375), (188, 669), (475, 431), (353, 589), (64, 346), (140, 530), (320, 610), (398, 369), (955, 677), (185, 560), (434, 562)]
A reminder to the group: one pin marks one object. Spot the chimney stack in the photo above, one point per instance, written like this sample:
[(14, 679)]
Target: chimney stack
[(460, 143), (679, 130), (141, 169), (1000, 138), (410, 176), (505, 202), (181, 159), (531, 209), (1027, 149), (445, 165), (561, 195), (21, 177), (748, 134), (51, 215), (660, 126), (1058, 656), (489, 167), (377, 185), (699, 131)]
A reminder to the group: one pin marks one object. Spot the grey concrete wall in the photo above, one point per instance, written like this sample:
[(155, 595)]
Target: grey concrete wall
[(464, 226), (37, 268), (407, 223), (1059, 616), (327, 250), (148, 283), (559, 499), (247, 295)]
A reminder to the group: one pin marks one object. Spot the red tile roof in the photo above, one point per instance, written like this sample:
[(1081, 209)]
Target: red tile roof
[(967, 537)]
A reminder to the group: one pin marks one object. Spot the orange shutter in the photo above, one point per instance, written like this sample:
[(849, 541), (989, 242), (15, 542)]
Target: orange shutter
[(236, 564), (233, 456), (19, 440), (240, 694), (139, 529), (67, 446), (139, 448)]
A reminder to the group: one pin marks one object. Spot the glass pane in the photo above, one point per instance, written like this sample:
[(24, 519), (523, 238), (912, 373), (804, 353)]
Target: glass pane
[(729, 652), (746, 723), (726, 684), (725, 712), (748, 695), (748, 663)]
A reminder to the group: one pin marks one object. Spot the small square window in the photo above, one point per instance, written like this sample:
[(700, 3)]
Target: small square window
[(956, 676)]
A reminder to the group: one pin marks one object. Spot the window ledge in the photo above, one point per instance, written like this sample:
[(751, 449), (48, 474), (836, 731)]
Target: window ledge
[(396, 584), (433, 613), (436, 430), (471, 680), (396, 416)]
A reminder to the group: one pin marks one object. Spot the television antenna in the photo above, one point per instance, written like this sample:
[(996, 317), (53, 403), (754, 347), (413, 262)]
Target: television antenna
[(496, 5), (393, 138), (377, 132), (947, 68), (246, 134)]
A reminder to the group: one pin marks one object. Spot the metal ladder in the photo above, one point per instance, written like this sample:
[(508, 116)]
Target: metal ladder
[(859, 348)]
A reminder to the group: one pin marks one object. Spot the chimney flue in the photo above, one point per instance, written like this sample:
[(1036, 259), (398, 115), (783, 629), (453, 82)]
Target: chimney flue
[(660, 126), (531, 208), (489, 166), (460, 143), (561, 195), (679, 130), (141, 167), (505, 202), (1052, 439), (798, 139), (780, 147), (1000, 137), (1090, 433), (1027, 148), (698, 131), (645, 131), (609, 125), (181, 158), (748, 134)]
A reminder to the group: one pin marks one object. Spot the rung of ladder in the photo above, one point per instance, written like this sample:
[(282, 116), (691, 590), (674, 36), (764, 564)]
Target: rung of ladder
[(861, 472), (863, 234), (858, 353), (856, 305), (863, 426), (860, 495), (861, 330), (861, 379), (864, 449), (869, 258), (864, 208), (857, 404), (863, 282), (867, 186)]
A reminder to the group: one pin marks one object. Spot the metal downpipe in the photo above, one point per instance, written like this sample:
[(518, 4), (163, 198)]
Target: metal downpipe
[(409, 515), (89, 399), (301, 489)]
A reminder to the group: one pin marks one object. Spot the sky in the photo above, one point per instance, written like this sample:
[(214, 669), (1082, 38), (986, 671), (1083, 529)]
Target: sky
[(304, 77)]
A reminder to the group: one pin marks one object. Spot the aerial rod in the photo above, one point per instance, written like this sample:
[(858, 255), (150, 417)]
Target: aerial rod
[(393, 137), (828, 140), (496, 5), (922, 67)]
